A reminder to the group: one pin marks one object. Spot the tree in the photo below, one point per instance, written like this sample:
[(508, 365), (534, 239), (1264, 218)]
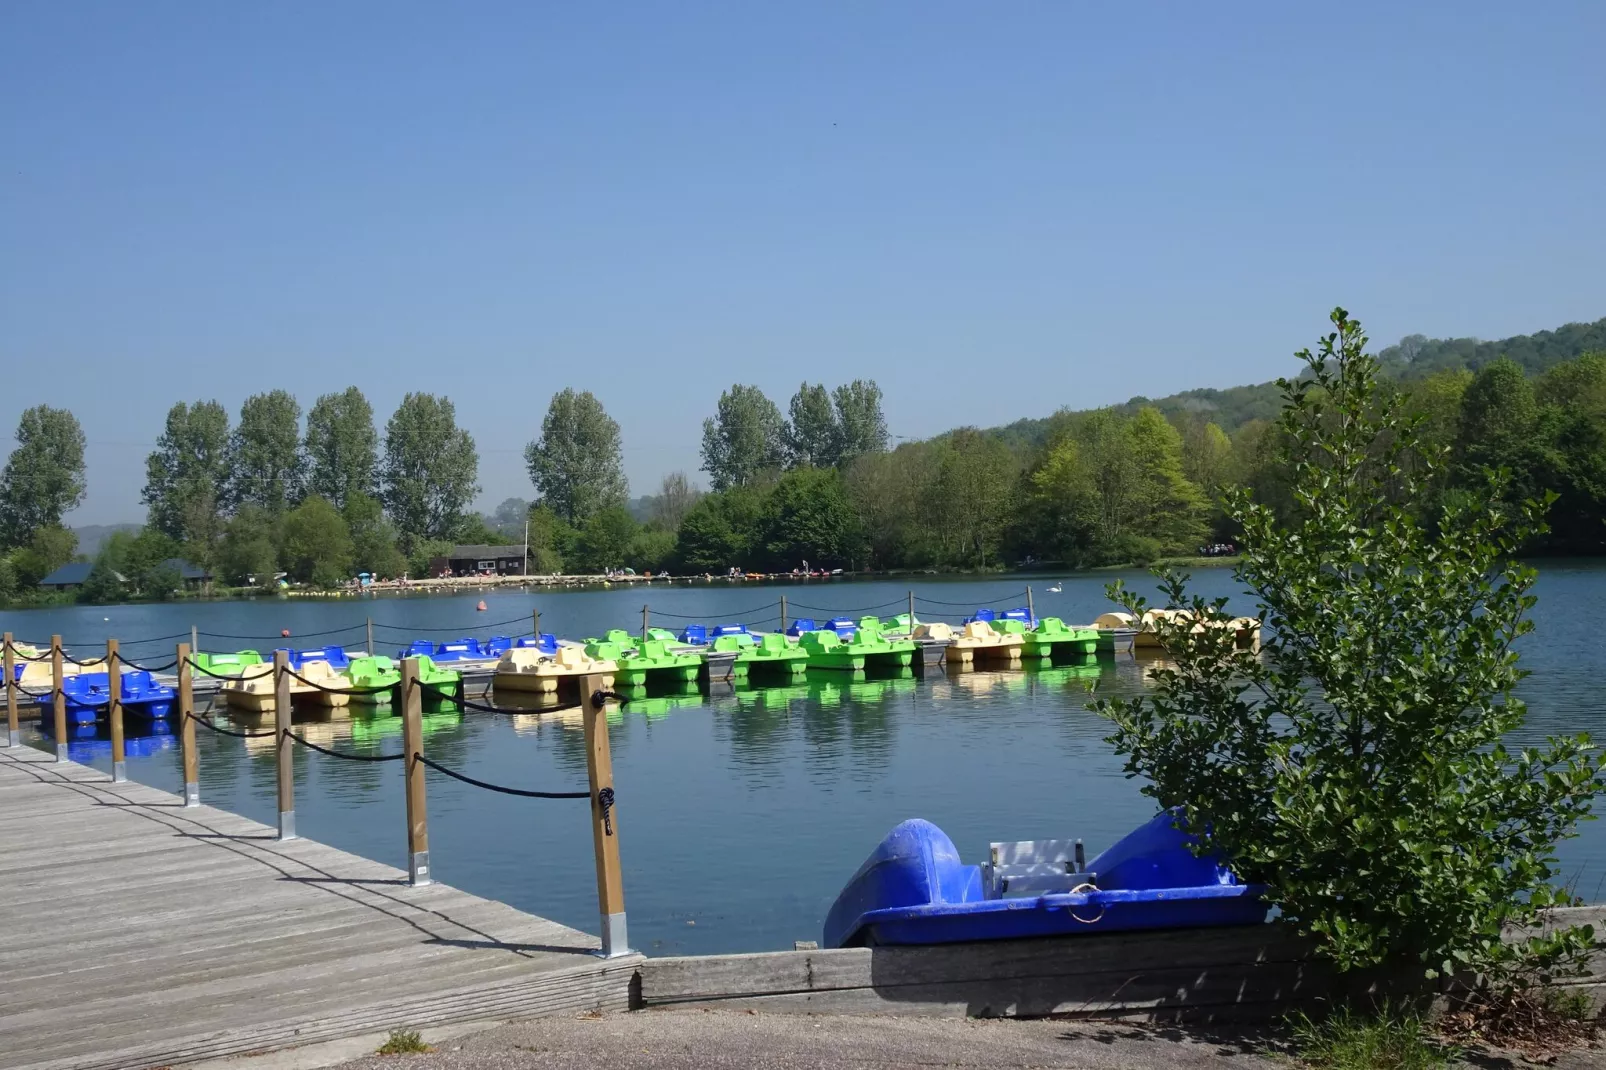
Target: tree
[(552, 540), (975, 482), (676, 496), (509, 518), (186, 478), (721, 531), (1206, 456), (133, 565), (1172, 510), (266, 465), (342, 447), (48, 549), (317, 543), (248, 553), (1356, 763), (577, 465), (373, 539), (605, 539), (44, 477), (858, 413), (745, 437), (430, 471), (807, 518), (893, 496), (813, 435)]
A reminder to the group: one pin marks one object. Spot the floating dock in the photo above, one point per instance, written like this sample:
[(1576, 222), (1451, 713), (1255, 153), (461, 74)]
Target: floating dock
[(137, 933)]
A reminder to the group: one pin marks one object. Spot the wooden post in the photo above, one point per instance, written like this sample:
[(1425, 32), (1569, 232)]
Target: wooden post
[(114, 712), (13, 728), (535, 614), (604, 823), (644, 621), (783, 614), (911, 614), (186, 732), (412, 711), (370, 637), (195, 640), (281, 728), (58, 698), (1031, 614)]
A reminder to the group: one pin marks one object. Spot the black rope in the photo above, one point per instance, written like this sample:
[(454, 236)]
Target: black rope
[(994, 604), (845, 612), (605, 801), (336, 690), (455, 775), (342, 754), (218, 675), (511, 711), (599, 697), (227, 732), (155, 639), (34, 694), (525, 619), (43, 655), (710, 616), (147, 668), (303, 635)]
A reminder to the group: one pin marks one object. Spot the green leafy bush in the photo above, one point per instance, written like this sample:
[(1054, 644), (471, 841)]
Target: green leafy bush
[(1356, 763)]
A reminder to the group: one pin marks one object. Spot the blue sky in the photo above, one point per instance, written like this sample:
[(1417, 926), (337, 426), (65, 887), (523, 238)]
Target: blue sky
[(992, 210)]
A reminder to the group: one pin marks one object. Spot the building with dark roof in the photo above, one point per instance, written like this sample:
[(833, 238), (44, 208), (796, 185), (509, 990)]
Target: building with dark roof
[(74, 573), (479, 560)]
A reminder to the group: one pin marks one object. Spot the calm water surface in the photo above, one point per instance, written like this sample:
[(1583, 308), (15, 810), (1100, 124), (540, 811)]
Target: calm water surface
[(742, 811)]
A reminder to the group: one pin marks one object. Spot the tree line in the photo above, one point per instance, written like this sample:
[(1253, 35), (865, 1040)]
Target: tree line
[(818, 482)]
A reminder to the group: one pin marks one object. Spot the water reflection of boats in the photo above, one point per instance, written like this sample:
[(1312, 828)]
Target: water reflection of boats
[(659, 701), (828, 690), (1086, 667), (386, 726), (89, 742)]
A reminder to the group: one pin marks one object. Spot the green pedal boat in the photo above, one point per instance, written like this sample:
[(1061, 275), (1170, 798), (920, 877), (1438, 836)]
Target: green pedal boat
[(771, 654), (867, 648), (651, 661), (438, 684), (1052, 638)]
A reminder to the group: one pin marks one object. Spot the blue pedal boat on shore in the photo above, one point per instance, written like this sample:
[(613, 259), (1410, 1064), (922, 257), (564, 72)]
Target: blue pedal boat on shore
[(913, 889)]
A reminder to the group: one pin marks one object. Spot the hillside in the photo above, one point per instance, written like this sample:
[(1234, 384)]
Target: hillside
[(1413, 357)]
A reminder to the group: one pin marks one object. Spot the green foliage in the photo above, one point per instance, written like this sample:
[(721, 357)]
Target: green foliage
[(1356, 765), (577, 465), (44, 478), (675, 498), (249, 552), (132, 565), (48, 549), (813, 435), (651, 549), (430, 471), (721, 531), (807, 518), (422, 552), (317, 544), (508, 520), (744, 439), (10, 585), (605, 540), (342, 447), (187, 476), (1392, 1039), (266, 465), (861, 426), (403, 1042), (552, 540), (373, 539)]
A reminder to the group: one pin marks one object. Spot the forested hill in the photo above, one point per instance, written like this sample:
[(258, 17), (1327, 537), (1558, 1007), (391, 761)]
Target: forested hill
[(1413, 357)]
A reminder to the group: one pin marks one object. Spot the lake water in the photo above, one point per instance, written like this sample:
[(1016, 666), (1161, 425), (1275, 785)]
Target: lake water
[(741, 811)]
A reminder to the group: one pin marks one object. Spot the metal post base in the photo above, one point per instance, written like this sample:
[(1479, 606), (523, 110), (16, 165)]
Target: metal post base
[(418, 869), (14, 738), (61, 752), (192, 794), (119, 772), (615, 942), (287, 824)]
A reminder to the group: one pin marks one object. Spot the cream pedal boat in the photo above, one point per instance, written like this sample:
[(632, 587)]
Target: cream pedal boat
[(254, 690), (977, 641), (528, 669)]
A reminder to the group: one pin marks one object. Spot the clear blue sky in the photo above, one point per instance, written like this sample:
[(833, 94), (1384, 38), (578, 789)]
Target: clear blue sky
[(992, 210)]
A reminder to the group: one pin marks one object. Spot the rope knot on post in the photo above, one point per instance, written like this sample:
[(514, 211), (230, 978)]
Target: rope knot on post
[(605, 801)]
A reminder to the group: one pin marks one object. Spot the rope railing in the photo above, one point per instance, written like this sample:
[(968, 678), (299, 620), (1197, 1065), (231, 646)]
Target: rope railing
[(346, 755), (205, 722), (501, 789), (1001, 600), (459, 630), (303, 635), (846, 612), (216, 675), (338, 690), (507, 711), (149, 668)]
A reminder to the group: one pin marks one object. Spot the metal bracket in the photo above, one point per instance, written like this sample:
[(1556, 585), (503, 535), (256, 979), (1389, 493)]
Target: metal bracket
[(287, 825), (615, 941)]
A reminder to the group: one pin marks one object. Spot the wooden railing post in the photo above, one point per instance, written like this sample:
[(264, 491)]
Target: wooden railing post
[(58, 698), (604, 820), (644, 623), (114, 712), (370, 637), (911, 614), (536, 614), (412, 711), (186, 731), (195, 639), (282, 740), (783, 614), (1031, 614), (13, 728)]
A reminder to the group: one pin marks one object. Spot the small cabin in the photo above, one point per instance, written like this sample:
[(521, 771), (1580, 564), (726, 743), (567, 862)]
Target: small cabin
[(479, 561)]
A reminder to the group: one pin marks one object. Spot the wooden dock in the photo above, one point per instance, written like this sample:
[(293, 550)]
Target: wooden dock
[(135, 933)]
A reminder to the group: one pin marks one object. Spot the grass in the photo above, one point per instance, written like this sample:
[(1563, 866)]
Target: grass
[(403, 1042), (1389, 1040)]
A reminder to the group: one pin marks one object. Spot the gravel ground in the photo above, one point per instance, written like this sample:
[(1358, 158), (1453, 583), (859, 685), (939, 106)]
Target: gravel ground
[(726, 1040)]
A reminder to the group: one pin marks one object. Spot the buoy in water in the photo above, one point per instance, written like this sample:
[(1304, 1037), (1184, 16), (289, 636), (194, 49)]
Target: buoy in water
[(481, 606), (284, 633)]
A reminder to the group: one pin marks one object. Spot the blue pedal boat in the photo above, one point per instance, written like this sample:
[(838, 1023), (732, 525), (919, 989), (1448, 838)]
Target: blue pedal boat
[(913, 889), (86, 694)]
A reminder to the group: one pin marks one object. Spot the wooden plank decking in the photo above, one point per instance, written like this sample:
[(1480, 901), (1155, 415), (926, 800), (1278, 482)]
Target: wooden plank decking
[(135, 933)]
